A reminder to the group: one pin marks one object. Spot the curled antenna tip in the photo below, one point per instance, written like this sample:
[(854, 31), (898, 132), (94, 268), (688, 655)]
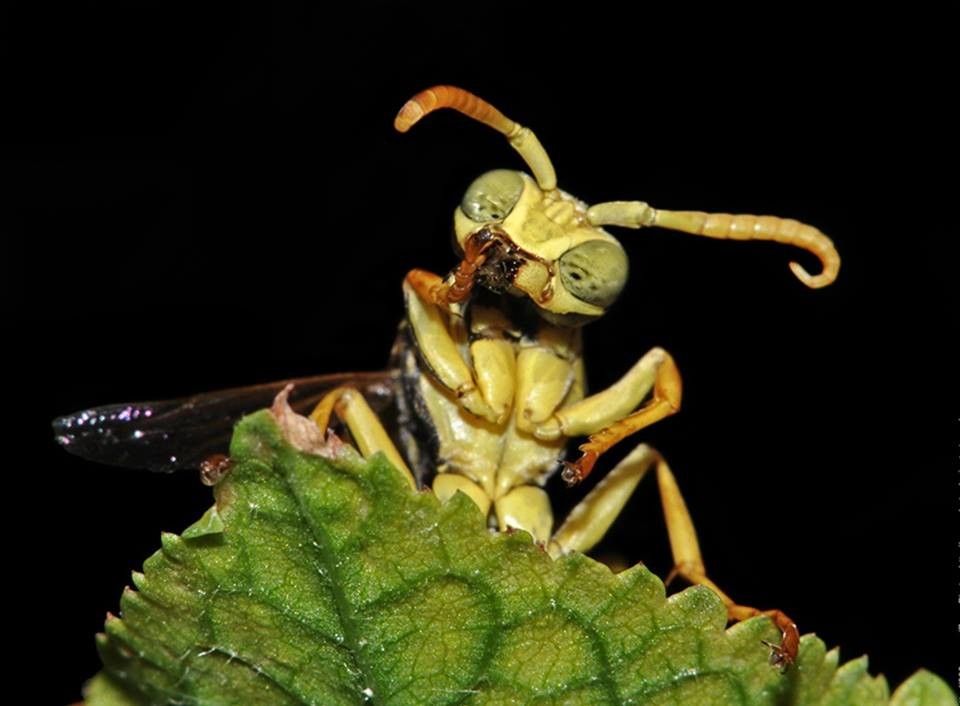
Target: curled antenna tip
[(813, 281), (409, 115)]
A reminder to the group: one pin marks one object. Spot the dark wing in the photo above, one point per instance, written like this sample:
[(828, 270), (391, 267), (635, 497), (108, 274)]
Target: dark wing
[(173, 434)]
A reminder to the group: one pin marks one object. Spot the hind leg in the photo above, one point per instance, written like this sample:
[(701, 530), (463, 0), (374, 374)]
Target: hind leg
[(589, 521)]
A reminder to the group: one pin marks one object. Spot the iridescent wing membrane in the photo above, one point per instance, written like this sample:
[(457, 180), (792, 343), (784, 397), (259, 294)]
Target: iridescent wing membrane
[(173, 434)]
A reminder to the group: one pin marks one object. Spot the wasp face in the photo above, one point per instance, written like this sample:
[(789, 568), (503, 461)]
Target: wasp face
[(542, 247)]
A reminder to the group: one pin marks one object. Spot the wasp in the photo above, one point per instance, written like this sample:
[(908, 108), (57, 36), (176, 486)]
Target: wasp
[(486, 382)]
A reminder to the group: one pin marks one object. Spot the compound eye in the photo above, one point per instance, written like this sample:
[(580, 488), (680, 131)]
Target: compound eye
[(492, 196), (594, 272)]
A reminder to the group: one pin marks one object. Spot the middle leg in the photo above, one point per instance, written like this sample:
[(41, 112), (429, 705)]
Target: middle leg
[(365, 427), (609, 417)]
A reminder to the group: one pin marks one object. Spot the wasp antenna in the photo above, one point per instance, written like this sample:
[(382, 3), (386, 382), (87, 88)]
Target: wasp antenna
[(747, 227), (637, 214), (521, 138), (462, 101)]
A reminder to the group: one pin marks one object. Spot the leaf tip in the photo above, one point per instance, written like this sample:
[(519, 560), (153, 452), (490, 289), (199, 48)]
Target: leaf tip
[(923, 688)]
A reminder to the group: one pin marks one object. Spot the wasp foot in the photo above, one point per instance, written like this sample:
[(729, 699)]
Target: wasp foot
[(214, 468), (575, 472), (784, 654)]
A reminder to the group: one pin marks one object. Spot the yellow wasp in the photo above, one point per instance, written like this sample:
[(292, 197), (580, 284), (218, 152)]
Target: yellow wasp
[(487, 382)]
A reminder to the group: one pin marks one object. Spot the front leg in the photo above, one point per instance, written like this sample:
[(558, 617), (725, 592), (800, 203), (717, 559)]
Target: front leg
[(438, 349), (608, 416)]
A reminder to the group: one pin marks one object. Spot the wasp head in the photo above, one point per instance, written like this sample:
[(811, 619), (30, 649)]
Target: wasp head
[(523, 235), (538, 244)]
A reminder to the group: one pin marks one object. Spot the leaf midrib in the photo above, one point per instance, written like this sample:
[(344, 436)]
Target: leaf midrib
[(351, 642)]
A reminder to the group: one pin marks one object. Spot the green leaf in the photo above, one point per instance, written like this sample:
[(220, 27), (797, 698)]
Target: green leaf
[(921, 689), (330, 582)]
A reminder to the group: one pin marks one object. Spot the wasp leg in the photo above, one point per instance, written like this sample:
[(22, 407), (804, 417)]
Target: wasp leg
[(524, 459), (606, 416), (364, 425), (526, 507), (446, 485), (589, 521), (688, 563), (494, 359), (543, 381), (438, 348)]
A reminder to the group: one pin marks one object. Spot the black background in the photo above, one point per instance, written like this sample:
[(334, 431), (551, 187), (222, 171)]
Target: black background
[(201, 201)]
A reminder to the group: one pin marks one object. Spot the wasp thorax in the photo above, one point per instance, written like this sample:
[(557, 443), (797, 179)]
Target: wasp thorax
[(594, 272), (492, 196)]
